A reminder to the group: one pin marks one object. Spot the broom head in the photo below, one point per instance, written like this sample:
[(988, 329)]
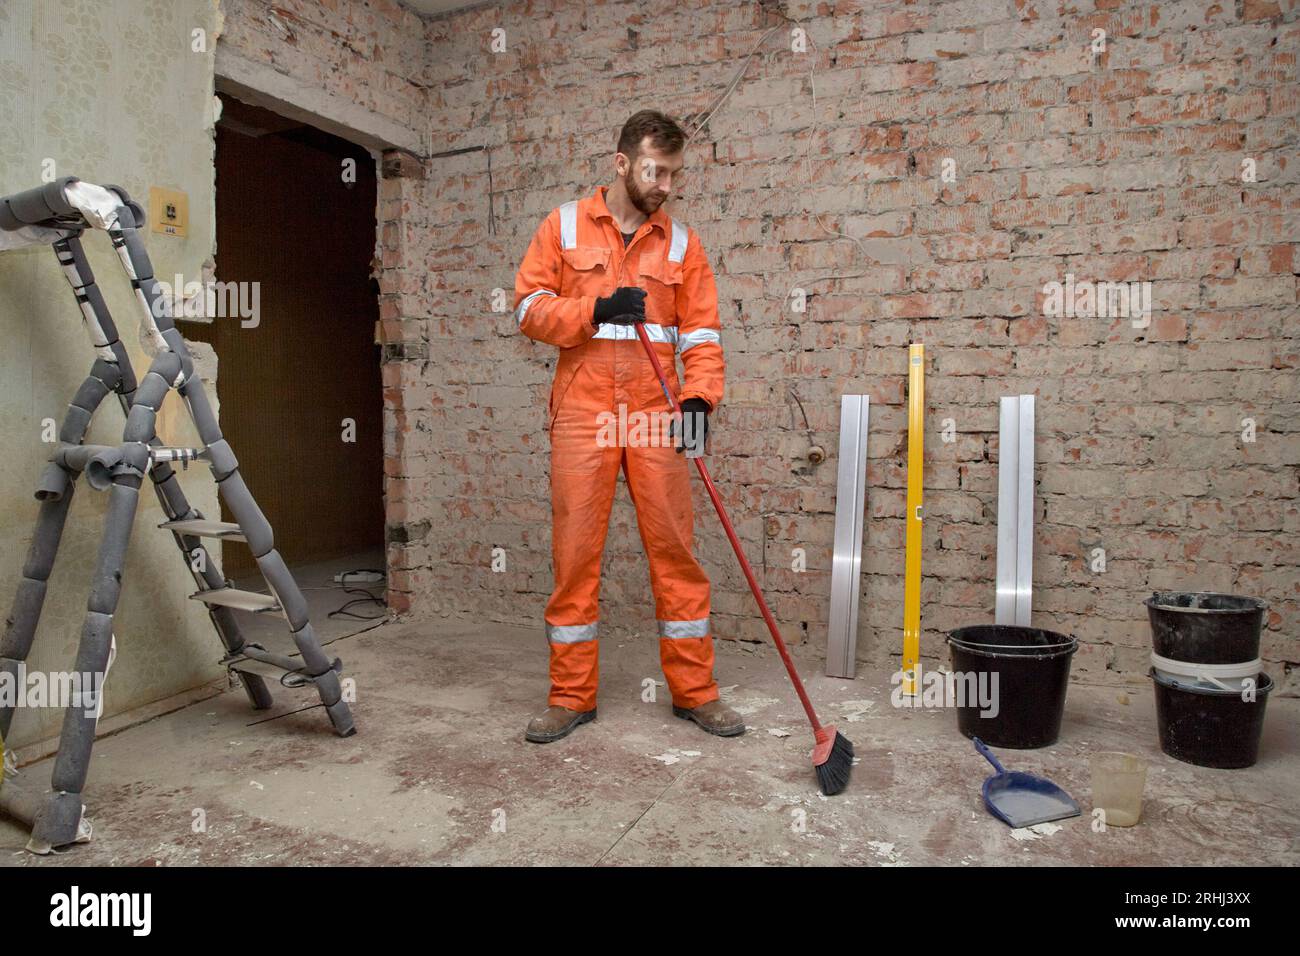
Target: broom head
[(833, 760)]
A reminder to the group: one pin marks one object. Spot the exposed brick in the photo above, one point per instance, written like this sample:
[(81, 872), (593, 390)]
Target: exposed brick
[(1124, 168)]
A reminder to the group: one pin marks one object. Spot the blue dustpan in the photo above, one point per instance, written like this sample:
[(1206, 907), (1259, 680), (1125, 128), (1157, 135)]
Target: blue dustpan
[(1021, 799)]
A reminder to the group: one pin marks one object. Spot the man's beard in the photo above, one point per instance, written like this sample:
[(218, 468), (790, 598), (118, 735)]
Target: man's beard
[(642, 200)]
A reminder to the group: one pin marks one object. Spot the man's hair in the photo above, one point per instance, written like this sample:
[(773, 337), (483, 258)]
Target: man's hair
[(664, 133)]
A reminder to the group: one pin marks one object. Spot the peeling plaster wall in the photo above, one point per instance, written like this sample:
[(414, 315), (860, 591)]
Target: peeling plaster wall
[(109, 91)]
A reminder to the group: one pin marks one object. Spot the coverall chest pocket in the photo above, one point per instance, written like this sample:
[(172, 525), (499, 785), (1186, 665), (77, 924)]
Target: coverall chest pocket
[(586, 271), (661, 280)]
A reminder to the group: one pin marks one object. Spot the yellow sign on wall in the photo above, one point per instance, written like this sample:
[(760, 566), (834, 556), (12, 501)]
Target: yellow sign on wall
[(169, 211)]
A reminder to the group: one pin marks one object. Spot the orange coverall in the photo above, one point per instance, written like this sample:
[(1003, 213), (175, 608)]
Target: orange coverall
[(576, 256)]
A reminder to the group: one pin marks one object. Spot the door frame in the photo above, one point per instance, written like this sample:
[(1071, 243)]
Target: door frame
[(259, 84)]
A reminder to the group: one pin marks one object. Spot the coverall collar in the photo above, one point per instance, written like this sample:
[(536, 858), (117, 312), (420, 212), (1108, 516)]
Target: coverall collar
[(601, 211)]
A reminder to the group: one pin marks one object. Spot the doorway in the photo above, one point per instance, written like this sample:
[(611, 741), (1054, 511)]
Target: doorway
[(299, 383)]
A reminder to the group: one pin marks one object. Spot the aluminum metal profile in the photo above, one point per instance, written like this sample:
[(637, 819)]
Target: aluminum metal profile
[(846, 568), (1015, 570)]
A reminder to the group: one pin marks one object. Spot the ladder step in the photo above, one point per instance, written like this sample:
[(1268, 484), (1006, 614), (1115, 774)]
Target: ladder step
[(206, 529), (240, 600), (255, 659), (252, 652), (270, 673)]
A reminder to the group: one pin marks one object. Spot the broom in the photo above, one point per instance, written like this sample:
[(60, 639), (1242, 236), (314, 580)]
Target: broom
[(832, 754)]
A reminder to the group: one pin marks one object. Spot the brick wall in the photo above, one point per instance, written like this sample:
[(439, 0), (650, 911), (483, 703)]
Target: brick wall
[(1123, 164), (369, 53)]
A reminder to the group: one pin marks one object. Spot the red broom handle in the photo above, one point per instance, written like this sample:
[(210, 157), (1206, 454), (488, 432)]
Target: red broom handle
[(735, 542)]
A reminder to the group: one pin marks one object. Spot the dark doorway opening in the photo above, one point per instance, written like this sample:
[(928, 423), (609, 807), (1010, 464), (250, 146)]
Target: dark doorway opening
[(300, 390)]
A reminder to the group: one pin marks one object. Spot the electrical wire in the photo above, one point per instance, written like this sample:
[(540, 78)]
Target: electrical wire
[(368, 598), (735, 81)]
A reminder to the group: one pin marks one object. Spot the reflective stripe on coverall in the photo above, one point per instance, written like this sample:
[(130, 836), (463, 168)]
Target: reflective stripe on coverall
[(576, 256)]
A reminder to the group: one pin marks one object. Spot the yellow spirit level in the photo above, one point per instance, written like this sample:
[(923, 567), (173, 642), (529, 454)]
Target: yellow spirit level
[(912, 566)]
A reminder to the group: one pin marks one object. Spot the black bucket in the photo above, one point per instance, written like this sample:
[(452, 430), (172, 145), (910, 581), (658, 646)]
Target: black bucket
[(1201, 627), (1032, 669), (1208, 726)]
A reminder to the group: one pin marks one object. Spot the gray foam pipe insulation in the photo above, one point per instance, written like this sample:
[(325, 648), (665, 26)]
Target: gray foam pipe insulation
[(57, 214)]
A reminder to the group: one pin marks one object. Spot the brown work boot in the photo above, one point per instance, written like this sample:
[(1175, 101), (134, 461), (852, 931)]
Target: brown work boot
[(556, 722), (715, 717)]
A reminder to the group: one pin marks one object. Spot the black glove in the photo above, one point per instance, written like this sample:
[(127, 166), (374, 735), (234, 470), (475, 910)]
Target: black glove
[(695, 422), (624, 307)]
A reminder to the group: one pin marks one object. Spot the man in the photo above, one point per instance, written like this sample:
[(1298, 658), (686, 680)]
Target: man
[(594, 267)]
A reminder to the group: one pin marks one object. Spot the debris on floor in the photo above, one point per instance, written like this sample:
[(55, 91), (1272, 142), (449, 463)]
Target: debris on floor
[(1036, 832)]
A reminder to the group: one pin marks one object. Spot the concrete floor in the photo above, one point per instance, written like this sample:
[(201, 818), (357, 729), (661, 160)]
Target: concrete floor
[(439, 773)]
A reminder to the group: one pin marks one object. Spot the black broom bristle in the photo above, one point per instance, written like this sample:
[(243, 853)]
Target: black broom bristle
[(833, 775)]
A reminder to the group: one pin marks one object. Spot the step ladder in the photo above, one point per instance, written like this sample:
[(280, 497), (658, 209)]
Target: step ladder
[(57, 214)]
